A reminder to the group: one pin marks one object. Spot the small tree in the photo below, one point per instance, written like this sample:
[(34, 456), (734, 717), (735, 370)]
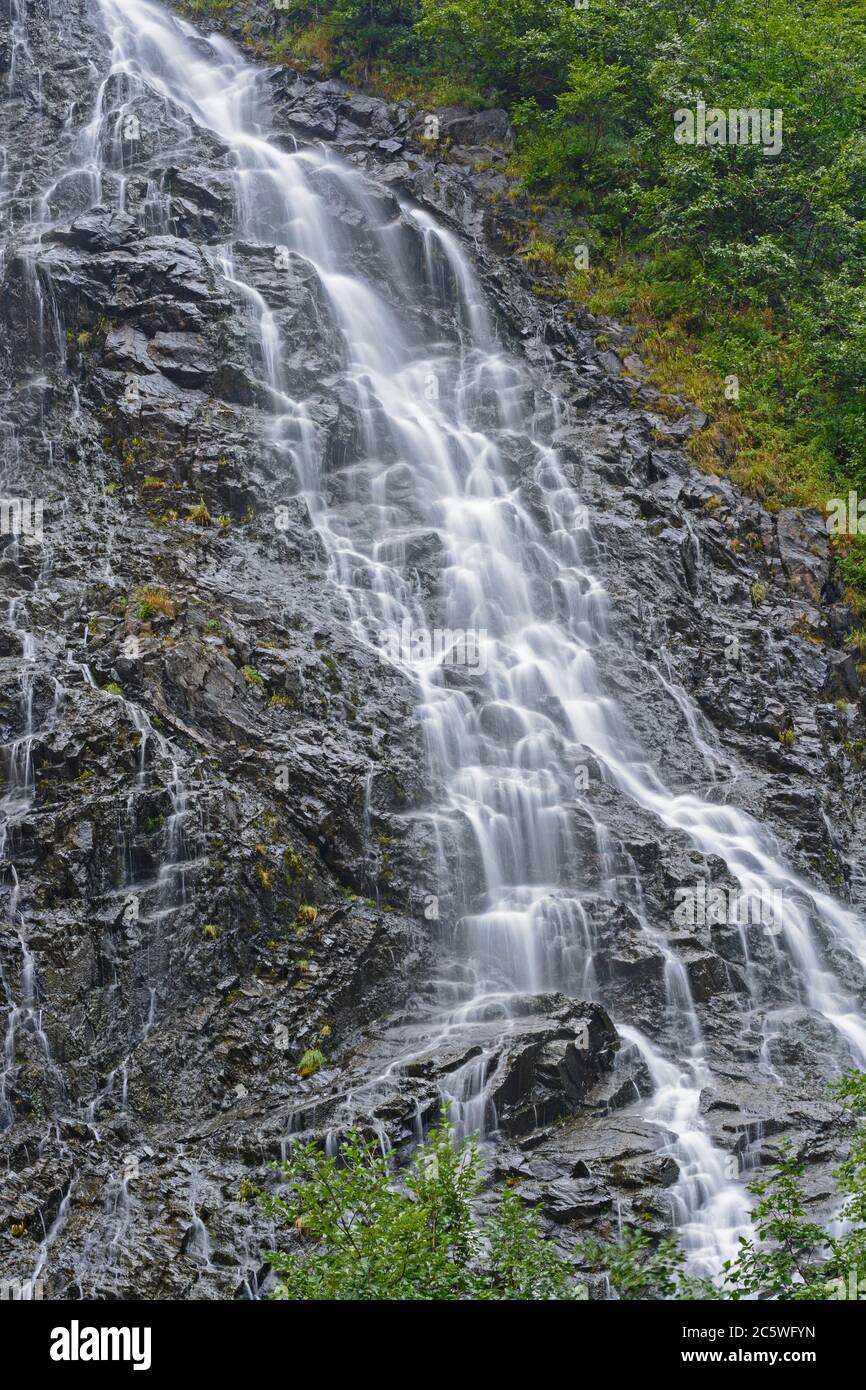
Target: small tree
[(795, 1258), (374, 1233)]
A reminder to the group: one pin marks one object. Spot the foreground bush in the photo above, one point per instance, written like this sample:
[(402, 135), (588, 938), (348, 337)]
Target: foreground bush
[(371, 1233), (367, 1231)]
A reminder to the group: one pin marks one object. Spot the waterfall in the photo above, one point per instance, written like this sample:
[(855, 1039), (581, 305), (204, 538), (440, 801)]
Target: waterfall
[(504, 656)]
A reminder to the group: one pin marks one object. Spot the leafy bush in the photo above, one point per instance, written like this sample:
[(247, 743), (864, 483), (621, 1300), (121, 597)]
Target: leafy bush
[(359, 1228), (372, 1233)]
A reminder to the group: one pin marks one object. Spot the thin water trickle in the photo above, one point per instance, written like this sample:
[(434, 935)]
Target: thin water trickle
[(26, 1034)]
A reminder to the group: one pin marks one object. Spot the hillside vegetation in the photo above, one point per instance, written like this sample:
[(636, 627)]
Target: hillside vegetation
[(742, 269)]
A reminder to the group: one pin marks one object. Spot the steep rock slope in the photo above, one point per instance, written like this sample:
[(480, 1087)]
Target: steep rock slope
[(218, 862)]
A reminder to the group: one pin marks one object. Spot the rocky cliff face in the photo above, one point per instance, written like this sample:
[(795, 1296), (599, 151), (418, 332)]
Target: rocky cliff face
[(214, 857)]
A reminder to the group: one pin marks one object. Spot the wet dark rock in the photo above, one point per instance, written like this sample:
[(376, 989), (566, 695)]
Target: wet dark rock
[(539, 1076), (804, 550), (490, 127), (573, 1199)]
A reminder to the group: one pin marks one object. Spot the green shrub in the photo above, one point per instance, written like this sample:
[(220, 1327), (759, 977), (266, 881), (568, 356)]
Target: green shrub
[(372, 1233), (729, 262), (252, 677), (153, 600)]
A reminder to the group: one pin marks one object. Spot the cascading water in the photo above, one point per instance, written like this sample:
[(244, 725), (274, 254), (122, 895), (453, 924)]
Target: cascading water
[(454, 435)]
